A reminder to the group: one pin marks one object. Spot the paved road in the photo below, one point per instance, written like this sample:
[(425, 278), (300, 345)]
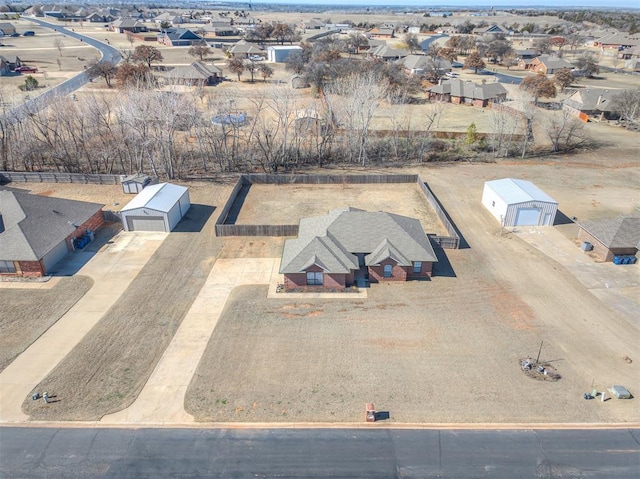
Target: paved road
[(69, 86), (227, 453)]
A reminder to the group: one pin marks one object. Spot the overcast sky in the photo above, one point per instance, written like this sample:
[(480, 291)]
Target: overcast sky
[(460, 3)]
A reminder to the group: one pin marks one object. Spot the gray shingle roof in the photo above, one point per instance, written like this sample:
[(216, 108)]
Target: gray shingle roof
[(468, 89), (35, 224), (195, 71), (621, 232), (593, 99), (554, 63), (331, 241)]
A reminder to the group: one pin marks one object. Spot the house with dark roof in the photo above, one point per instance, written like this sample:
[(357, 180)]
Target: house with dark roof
[(38, 231), (123, 25), (548, 64), (179, 37), (244, 49), (9, 64), (350, 247), (612, 237), (596, 103), (466, 92), (490, 29), (196, 74)]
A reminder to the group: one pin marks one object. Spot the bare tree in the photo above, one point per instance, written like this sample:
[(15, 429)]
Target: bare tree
[(564, 131), (104, 69), (59, 44), (131, 38)]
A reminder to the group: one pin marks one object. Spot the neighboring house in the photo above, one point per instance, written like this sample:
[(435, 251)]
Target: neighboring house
[(526, 54), (123, 25), (633, 64), (381, 32), (387, 53), (612, 237), (518, 203), (617, 41), (280, 53), (156, 208), (313, 24), (548, 64), (370, 44), (196, 74), (594, 103), (179, 37), (352, 247), (460, 92), (38, 231), (629, 53), (7, 29), (419, 64), (9, 63), (244, 49), (98, 17), (219, 29), (490, 29), (170, 18)]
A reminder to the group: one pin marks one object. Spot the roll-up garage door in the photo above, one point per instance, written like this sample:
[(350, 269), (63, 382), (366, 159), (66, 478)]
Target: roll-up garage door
[(145, 223), (528, 217)]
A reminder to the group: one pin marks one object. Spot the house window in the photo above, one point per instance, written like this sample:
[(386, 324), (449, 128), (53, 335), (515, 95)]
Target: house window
[(7, 267), (493, 203), (314, 279), (417, 266), (388, 268)]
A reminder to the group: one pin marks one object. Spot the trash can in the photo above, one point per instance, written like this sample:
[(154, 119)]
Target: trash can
[(35, 396), (586, 246)]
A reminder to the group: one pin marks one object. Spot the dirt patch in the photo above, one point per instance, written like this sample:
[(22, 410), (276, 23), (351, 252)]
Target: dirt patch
[(107, 370), (287, 204), (26, 314)]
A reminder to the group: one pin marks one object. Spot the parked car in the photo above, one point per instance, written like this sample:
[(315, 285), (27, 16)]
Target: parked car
[(15, 34), (26, 69), (256, 58), (29, 33), (451, 75)]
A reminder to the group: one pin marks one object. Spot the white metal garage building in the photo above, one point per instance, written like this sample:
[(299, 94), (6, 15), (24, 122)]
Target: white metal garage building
[(519, 203), (156, 208)]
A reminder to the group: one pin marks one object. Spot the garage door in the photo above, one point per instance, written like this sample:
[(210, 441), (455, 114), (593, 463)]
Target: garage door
[(145, 223), (528, 217)]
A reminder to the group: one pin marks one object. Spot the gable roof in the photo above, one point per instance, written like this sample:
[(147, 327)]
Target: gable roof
[(468, 89), (423, 62), (490, 29), (621, 232), (34, 224), (244, 47), (518, 191), (181, 34), (593, 99), (553, 62), (331, 241), (385, 51), (160, 197), (195, 71)]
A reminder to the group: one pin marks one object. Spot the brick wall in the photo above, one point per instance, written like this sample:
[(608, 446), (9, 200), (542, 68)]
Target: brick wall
[(331, 281), (398, 273), (598, 248), (425, 271), (92, 224), (456, 99), (30, 268)]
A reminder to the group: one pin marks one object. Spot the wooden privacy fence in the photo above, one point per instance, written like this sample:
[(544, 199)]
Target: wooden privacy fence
[(225, 228), (50, 177), (111, 216)]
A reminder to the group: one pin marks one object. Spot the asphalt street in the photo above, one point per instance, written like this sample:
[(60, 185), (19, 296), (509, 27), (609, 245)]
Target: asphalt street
[(69, 86), (32, 452)]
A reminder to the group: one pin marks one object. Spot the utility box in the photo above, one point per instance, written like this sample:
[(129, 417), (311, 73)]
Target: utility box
[(620, 392), (370, 415)]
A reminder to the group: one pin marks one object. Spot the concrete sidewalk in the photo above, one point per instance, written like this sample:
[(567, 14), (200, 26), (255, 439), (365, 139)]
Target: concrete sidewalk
[(162, 398), (112, 270)]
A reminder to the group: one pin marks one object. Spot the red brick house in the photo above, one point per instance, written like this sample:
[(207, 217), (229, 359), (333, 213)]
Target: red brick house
[(354, 247), (548, 64), (466, 92), (612, 236), (38, 231)]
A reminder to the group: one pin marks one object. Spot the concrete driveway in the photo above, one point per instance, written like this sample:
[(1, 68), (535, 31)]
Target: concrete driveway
[(616, 285), (112, 270), (162, 398)]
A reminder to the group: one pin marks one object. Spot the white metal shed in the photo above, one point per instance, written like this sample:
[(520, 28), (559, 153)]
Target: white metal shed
[(518, 203), (279, 53), (156, 208)]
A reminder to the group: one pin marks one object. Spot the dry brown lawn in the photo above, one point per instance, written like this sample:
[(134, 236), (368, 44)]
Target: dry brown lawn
[(287, 204), (107, 369), (27, 313)]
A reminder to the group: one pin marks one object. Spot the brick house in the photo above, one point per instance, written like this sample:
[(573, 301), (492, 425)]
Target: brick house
[(354, 247), (548, 64), (196, 74), (38, 231), (179, 37), (612, 236), (466, 92)]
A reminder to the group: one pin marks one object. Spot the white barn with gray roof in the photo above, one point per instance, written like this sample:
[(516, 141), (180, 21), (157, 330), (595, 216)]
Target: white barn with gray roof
[(156, 208), (519, 203)]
